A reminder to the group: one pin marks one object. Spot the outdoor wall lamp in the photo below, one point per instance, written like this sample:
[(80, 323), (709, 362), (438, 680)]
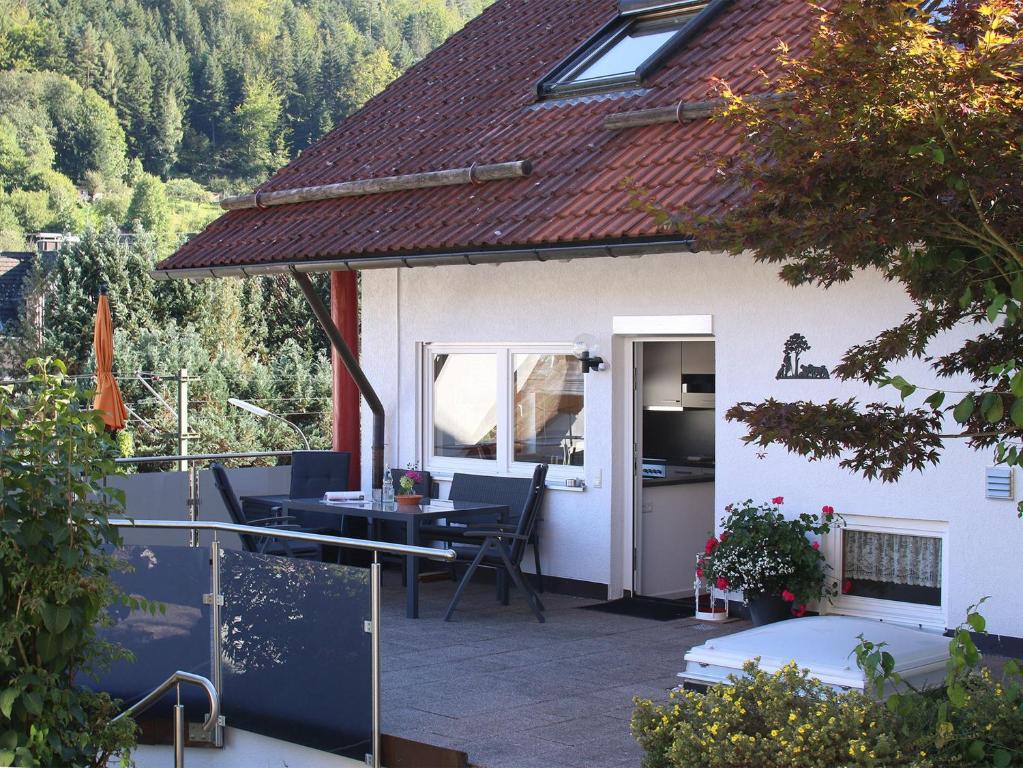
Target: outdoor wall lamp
[(263, 413), (587, 352)]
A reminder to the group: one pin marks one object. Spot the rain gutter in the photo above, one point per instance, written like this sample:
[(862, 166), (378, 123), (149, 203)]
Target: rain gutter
[(490, 256)]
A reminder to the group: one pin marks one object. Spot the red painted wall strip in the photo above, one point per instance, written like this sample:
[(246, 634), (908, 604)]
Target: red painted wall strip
[(344, 309)]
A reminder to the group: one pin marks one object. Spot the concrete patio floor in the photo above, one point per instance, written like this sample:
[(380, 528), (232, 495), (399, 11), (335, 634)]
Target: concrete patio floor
[(514, 693)]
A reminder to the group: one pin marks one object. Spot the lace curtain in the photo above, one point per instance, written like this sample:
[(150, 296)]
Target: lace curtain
[(891, 557)]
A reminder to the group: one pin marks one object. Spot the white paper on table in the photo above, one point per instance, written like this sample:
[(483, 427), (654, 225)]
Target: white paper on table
[(344, 496)]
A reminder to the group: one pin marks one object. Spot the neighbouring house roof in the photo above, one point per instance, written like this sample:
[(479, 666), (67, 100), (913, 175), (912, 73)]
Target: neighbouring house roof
[(14, 268), (474, 100)]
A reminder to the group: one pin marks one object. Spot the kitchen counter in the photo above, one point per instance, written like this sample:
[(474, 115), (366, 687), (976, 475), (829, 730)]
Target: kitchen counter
[(651, 482)]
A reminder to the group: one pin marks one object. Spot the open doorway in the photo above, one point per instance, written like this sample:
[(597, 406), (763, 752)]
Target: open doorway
[(673, 422)]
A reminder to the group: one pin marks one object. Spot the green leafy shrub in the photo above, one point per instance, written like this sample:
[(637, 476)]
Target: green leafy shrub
[(973, 718), (790, 720), (54, 575), (780, 720)]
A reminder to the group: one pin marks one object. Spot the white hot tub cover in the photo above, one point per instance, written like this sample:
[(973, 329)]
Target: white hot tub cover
[(823, 645)]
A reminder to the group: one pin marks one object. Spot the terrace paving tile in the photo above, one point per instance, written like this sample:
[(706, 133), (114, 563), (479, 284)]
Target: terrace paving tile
[(513, 693)]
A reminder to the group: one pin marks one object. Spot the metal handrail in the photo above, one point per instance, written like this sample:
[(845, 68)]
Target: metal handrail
[(201, 457), (175, 681), (178, 677), (283, 533)]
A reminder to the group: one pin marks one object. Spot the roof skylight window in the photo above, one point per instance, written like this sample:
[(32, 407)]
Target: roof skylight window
[(622, 53)]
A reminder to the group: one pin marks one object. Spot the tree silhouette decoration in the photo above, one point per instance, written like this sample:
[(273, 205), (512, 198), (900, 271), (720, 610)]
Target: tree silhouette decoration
[(796, 345)]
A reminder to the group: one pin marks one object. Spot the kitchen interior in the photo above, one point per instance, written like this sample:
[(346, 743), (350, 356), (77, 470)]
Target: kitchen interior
[(675, 429)]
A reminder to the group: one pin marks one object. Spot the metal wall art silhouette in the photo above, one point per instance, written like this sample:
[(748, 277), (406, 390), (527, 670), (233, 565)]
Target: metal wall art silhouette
[(791, 368)]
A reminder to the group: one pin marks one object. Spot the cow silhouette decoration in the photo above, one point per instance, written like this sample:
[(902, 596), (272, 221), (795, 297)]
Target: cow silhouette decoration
[(792, 368)]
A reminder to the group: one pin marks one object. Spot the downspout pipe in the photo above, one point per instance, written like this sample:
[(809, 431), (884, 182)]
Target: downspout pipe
[(351, 362)]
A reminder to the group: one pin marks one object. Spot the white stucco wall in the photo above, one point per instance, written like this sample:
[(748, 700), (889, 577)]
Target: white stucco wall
[(586, 535)]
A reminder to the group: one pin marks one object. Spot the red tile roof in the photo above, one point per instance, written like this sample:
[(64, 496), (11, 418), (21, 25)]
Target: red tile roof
[(473, 100)]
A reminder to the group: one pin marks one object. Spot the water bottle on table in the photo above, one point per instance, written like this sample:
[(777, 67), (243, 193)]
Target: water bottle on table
[(388, 494)]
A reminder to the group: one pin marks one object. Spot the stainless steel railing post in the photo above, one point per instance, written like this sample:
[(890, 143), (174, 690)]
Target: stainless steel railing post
[(192, 502), (216, 601), (179, 732), (374, 615)]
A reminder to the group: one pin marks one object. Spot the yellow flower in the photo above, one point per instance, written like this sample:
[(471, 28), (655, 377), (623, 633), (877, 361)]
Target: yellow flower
[(792, 717)]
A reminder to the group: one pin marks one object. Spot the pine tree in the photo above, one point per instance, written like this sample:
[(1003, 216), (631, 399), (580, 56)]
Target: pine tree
[(256, 136), (137, 104), (166, 133), (110, 74), (373, 73), (88, 65)]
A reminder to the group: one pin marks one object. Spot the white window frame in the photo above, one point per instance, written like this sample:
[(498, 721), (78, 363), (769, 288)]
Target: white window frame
[(929, 617), (504, 464)]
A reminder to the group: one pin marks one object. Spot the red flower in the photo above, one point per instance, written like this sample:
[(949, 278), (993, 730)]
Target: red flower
[(724, 535), (778, 500), (816, 545), (787, 596), (828, 510), (799, 610), (847, 586), (699, 573), (722, 582), (709, 546)]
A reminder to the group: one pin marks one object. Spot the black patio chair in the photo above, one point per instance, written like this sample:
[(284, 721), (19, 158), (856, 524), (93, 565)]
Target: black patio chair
[(502, 546), (512, 492), (263, 545), (313, 473)]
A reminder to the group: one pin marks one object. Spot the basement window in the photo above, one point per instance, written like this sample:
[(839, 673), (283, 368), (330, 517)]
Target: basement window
[(627, 50), (893, 569)]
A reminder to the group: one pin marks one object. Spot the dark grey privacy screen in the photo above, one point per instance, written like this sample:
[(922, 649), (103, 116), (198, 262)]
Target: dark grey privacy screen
[(296, 656), (177, 637)]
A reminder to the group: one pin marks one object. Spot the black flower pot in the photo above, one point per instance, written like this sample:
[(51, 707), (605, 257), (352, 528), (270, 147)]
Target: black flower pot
[(768, 609)]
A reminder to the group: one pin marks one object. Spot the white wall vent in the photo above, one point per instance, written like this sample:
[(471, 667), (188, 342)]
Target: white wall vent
[(998, 483)]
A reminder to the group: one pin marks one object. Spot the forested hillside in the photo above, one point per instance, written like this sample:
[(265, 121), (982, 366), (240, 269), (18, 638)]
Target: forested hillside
[(133, 115), (95, 93), (225, 88)]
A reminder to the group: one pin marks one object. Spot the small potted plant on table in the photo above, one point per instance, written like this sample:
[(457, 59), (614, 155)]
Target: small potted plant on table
[(775, 562), (407, 482)]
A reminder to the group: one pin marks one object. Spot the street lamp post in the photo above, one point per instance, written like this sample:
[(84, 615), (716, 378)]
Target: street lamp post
[(263, 413)]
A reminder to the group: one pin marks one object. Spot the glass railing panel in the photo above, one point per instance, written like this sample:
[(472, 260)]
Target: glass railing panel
[(295, 653), (176, 637)]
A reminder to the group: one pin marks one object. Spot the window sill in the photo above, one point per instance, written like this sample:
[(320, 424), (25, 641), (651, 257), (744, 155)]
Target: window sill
[(445, 476)]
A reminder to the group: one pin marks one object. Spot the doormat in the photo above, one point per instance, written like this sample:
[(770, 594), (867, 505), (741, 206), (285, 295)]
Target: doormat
[(645, 608)]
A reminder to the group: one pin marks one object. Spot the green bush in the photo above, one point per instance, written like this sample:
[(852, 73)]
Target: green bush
[(780, 720), (789, 720), (54, 576)]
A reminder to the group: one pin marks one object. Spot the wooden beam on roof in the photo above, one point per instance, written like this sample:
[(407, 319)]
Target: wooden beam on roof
[(684, 112), (473, 174)]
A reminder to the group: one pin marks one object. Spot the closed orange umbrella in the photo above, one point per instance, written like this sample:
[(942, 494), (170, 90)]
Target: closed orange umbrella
[(108, 396)]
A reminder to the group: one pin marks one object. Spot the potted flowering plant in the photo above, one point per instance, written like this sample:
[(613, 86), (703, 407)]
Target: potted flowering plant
[(775, 562), (407, 482)]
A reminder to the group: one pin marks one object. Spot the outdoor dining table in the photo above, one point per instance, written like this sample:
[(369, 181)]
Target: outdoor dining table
[(317, 513)]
